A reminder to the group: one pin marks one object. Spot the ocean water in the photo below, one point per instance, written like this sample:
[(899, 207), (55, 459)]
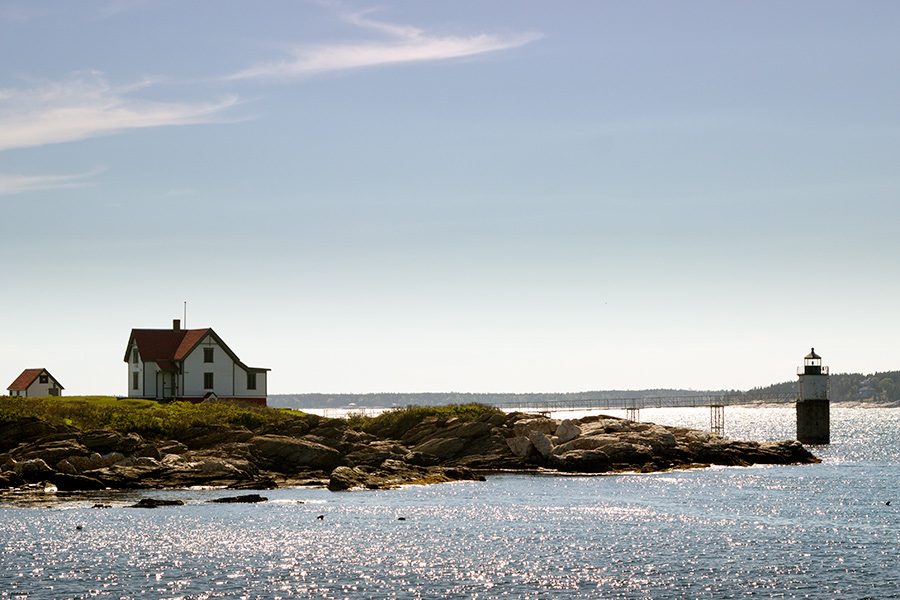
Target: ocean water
[(812, 531)]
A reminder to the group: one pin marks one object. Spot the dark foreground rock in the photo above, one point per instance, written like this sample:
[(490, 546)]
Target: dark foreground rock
[(245, 499), (311, 450), (156, 503), (393, 474)]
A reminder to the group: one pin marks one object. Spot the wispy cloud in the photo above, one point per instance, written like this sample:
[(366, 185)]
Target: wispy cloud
[(19, 184), (403, 44), (86, 106)]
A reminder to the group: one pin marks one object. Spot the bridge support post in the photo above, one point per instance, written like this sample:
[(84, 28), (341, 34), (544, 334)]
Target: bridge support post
[(633, 414), (717, 419)]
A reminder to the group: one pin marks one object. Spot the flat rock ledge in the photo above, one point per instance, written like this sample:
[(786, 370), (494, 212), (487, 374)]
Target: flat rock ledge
[(312, 450)]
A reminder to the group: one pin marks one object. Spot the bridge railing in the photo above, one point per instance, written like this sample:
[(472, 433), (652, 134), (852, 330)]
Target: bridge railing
[(637, 403)]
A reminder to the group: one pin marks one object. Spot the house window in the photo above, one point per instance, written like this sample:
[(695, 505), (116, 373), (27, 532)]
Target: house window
[(135, 379), (207, 381), (251, 380), (208, 355), (134, 356), (44, 378)]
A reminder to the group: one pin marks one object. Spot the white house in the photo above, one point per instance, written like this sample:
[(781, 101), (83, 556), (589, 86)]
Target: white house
[(189, 364), (35, 383)]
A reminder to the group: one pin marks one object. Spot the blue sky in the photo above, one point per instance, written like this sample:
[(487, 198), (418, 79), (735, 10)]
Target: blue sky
[(458, 196)]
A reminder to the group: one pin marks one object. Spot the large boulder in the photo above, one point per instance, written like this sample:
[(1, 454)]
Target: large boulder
[(171, 447), (66, 482), (443, 447), (50, 451), (782, 451), (9, 479), (346, 478), (468, 429), (33, 470), (28, 429), (421, 459), (147, 451), (567, 431), (87, 463), (587, 442), (528, 423), (520, 445), (134, 477), (105, 441), (582, 461), (628, 454), (213, 466), (374, 453), (290, 455), (541, 442), (740, 453), (449, 437), (211, 436)]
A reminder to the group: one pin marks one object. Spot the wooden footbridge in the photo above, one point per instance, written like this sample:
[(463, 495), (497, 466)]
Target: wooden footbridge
[(633, 406)]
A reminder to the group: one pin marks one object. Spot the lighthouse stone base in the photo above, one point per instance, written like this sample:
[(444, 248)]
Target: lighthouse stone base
[(813, 422)]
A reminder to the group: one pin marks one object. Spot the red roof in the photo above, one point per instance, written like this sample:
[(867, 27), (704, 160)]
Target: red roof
[(190, 339), (165, 344), (27, 378)]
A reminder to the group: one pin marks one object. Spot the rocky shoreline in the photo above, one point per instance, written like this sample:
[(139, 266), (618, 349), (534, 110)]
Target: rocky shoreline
[(317, 451)]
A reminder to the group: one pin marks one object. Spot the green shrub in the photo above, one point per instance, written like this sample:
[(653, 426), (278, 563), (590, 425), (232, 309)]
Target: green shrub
[(395, 421)]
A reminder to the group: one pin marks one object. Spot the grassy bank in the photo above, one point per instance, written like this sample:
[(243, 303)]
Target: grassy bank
[(151, 419)]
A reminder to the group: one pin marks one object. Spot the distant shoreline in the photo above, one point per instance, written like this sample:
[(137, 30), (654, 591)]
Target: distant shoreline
[(388, 401)]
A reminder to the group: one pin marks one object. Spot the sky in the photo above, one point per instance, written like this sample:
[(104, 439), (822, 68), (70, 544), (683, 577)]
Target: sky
[(467, 196)]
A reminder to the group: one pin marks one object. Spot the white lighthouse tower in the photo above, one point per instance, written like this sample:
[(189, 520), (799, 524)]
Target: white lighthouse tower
[(813, 418)]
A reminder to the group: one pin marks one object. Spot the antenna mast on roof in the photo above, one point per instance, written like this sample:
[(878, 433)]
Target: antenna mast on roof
[(185, 314)]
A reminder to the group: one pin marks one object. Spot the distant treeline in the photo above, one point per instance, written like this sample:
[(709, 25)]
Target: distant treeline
[(881, 388), (442, 398)]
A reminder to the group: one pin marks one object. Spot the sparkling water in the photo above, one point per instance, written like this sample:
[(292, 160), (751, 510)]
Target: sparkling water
[(809, 531)]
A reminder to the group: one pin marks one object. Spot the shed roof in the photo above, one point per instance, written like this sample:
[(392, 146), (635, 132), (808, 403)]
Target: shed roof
[(27, 378)]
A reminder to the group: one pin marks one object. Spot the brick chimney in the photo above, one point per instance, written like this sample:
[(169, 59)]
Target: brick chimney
[(176, 324)]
